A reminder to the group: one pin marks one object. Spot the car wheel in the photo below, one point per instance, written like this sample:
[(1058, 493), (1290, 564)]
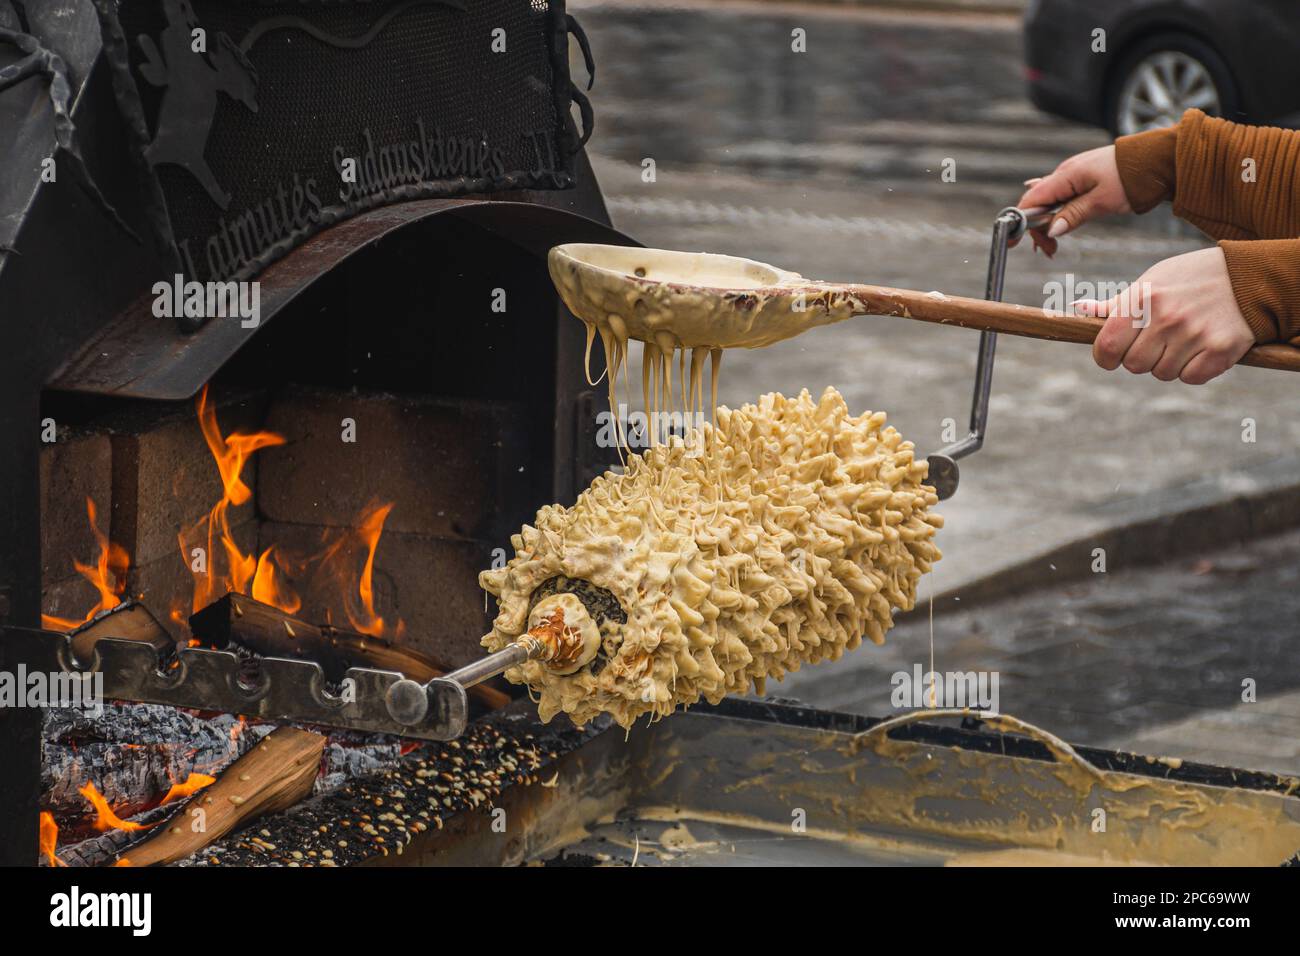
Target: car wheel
[(1164, 76)]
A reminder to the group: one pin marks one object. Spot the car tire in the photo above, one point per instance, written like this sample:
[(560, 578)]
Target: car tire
[(1189, 73)]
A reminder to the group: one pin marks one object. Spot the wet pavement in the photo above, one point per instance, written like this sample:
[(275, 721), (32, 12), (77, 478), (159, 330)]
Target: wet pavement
[(829, 163), (1069, 445), (1151, 660), (876, 96)]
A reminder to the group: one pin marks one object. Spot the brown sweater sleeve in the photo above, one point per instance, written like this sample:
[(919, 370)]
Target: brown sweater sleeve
[(1236, 183), (1265, 277), (1146, 167)]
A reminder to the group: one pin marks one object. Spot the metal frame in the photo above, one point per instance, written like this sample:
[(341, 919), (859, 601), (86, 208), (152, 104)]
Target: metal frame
[(1009, 226)]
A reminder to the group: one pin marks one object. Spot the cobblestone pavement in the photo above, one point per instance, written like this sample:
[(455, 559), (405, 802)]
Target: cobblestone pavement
[(1150, 660)]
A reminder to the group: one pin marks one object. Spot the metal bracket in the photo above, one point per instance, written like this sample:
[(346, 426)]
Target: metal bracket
[(282, 689), (1010, 225)]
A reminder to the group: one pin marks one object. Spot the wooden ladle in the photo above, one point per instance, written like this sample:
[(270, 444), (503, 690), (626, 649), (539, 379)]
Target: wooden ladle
[(687, 300)]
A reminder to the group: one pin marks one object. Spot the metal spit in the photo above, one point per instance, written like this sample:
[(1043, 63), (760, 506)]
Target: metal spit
[(284, 689)]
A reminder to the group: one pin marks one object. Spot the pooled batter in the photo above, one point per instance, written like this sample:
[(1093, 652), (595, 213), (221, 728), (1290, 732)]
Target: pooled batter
[(680, 300), (677, 303), (788, 531)]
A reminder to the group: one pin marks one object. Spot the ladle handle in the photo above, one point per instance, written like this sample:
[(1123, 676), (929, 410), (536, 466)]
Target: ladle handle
[(1020, 320)]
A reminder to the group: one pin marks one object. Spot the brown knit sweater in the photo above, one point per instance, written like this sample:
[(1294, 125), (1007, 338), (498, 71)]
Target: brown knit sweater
[(1241, 185)]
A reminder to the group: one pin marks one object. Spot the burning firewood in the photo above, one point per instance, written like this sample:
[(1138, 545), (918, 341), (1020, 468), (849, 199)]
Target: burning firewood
[(134, 753), (273, 776), (128, 621), (273, 633)]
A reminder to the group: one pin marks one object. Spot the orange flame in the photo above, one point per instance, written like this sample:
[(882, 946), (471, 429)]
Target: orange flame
[(359, 602), (372, 526), (105, 818), (269, 577), (346, 559), (50, 838), (272, 588), (107, 574), (230, 452), (192, 785)]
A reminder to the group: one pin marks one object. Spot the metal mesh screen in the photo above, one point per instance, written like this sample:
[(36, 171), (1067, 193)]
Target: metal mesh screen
[(253, 130)]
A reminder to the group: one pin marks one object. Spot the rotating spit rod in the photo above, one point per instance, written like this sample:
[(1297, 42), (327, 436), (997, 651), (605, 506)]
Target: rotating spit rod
[(410, 702), (295, 690)]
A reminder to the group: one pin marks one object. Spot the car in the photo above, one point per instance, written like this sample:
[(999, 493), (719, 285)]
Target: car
[(1153, 59)]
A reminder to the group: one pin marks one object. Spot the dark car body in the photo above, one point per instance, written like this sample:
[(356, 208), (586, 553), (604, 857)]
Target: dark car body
[(1258, 41)]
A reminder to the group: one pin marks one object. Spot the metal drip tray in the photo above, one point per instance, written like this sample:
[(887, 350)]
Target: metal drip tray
[(754, 783)]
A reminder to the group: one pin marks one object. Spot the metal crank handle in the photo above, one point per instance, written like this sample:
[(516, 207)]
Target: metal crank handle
[(1033, 217), (1008, 227), (990, 316)]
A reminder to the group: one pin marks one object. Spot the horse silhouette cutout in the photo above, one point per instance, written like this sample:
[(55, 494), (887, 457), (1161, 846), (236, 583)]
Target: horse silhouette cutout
[(189, 102)]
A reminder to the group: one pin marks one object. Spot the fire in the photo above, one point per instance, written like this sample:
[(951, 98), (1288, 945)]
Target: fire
[(107, 574), (50, 838), (372, 526), (340, 572), (271, 588), (105, 818), (231, 451), (192, 785), (338, 565), (212, 532), (270, 577)]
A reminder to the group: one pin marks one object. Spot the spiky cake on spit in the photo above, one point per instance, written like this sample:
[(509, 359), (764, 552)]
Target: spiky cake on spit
[(780, 535)]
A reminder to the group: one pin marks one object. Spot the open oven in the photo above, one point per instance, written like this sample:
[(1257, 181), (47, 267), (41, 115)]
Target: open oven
[(390, 388)]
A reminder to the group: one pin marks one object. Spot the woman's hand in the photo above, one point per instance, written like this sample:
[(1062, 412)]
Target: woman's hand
[(1089, 185), (1180, 319)]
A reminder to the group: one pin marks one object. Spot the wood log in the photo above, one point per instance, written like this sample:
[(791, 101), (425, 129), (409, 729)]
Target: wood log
[(129, 621), (274, 775), (273, 633)]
